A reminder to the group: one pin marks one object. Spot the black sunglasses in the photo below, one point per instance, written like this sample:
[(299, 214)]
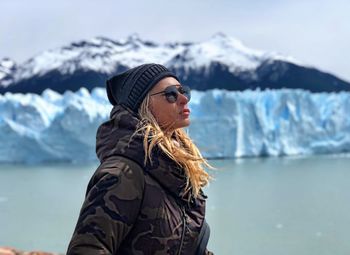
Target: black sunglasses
[(172, 92)]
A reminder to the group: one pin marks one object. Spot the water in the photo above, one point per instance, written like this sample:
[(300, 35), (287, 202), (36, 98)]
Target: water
[(258, 206)]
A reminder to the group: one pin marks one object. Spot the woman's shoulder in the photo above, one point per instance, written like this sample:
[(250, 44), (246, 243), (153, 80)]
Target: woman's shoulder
[(124, 170), (117, 165)]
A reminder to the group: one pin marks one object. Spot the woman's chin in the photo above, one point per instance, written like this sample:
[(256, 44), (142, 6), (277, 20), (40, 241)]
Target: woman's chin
[(178, 124), (184, 123)]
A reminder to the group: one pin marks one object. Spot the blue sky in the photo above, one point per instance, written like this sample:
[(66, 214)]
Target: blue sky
[(314, 32)]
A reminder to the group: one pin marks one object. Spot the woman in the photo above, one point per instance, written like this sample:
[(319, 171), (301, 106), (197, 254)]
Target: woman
[(146, 196)]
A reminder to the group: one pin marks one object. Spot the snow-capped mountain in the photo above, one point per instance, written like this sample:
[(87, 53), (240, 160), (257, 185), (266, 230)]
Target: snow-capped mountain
[(220, 62), (227, 51), (99, 54), (7, 68)]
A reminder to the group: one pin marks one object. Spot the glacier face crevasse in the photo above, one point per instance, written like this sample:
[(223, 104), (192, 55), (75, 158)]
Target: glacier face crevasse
[(54, 127)]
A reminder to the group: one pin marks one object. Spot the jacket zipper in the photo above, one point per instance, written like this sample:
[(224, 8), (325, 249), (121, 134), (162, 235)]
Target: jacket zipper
[(183, 230)]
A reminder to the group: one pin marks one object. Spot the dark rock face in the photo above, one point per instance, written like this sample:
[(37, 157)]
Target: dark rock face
[(269, 75), (279, 74), (59, 82), (215, 76)]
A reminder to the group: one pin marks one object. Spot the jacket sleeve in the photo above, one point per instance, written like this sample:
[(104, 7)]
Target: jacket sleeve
[(112, 204)]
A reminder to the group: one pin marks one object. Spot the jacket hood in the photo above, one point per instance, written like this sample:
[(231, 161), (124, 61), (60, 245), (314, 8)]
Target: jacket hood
[(114, 137)]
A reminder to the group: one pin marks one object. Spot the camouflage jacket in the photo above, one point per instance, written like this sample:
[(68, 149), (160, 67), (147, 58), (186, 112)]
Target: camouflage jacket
[(132, 208)]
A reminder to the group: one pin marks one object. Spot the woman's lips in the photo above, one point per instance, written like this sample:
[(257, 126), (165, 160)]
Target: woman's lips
[(186, 112)]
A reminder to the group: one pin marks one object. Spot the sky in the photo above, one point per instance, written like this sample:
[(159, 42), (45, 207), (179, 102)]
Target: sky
[(315, 32)]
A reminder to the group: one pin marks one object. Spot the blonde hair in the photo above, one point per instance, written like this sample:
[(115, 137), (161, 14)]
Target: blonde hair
[(176, 144)]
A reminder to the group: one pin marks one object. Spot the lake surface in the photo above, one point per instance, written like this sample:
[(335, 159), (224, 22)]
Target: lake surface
[(257, 206)]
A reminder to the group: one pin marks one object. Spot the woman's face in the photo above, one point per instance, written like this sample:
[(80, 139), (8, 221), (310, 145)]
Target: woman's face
[(169, 115)]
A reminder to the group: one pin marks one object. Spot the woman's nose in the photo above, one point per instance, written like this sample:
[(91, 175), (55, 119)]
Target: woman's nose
[(182, 99)]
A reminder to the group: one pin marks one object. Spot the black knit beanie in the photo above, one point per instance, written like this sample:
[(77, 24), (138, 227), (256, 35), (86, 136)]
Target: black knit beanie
[(130, 88)]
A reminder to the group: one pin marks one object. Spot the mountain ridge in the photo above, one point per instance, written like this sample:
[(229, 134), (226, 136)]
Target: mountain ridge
[(219, 62)]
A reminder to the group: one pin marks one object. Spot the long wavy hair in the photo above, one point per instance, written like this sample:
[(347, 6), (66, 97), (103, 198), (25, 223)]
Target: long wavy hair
[(176, 144)]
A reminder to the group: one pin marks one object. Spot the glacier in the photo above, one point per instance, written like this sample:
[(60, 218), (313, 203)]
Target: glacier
[(54, 127)]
